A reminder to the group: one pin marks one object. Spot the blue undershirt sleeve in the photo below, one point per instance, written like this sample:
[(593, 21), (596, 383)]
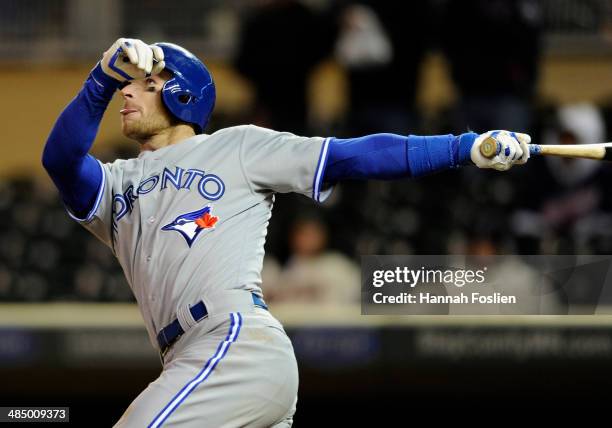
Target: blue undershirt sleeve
[(390, 156), (78, 175)]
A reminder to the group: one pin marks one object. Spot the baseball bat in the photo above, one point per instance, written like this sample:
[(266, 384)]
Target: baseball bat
[(602, 151)]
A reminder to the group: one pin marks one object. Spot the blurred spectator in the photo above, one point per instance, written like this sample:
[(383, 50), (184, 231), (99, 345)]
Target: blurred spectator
[(510, 275), (381, 45), (493, 47), (313, 273), (565, 202), (281, 42)]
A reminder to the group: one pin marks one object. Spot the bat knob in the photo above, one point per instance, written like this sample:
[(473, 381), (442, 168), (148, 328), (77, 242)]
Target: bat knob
[(488, 148)]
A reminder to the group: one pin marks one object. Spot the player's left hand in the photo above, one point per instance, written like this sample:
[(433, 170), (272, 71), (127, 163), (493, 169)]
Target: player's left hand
[(514, 150), (129, 59)]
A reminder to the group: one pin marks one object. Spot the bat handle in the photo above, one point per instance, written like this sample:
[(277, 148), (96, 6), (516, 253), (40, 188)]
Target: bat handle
[(490, 147)]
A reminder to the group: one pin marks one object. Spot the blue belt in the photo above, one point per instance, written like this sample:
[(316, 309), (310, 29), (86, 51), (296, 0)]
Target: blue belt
[(170, 333)]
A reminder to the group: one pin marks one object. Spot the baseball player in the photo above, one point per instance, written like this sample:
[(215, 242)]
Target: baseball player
[(187, 221)]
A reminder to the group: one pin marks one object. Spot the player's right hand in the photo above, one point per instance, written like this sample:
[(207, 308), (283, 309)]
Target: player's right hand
[(514, 150), (129, 59)]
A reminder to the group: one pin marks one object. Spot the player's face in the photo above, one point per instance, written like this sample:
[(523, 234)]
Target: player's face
[(143, 114)]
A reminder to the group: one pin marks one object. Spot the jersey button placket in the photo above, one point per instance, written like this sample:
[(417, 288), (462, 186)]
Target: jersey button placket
[(150, 220)]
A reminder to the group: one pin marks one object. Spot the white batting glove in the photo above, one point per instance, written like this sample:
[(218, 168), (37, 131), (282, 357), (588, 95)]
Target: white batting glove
[(129, 59), (514, 149)]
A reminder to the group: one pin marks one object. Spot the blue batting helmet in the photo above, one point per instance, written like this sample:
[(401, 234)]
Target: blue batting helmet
[(190, 93)]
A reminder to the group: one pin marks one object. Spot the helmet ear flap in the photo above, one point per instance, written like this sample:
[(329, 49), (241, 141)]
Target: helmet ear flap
[(190, 93), (185, 98)]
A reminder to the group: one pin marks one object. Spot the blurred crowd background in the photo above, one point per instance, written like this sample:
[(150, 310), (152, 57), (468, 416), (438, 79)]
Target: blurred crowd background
[(329, 68)]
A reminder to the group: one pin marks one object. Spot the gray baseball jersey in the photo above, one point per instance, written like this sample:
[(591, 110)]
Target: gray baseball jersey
[(189, 220), (187, 223)]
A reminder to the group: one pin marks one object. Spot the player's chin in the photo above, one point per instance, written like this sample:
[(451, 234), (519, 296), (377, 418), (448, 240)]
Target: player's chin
[(133, 134), (133, 130), (126, 128)]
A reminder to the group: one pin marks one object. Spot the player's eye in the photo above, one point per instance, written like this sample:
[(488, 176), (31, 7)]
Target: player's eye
[(151, 85)]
